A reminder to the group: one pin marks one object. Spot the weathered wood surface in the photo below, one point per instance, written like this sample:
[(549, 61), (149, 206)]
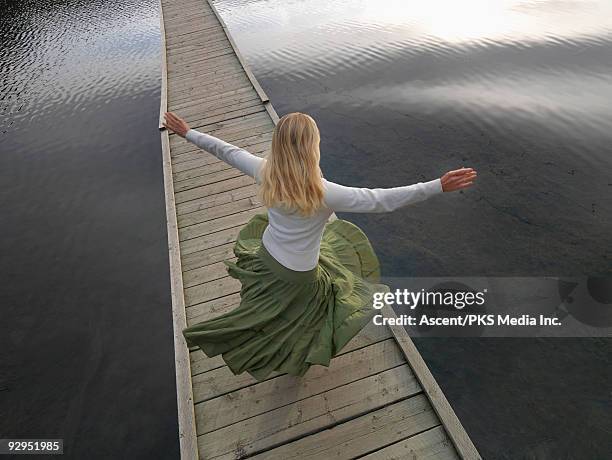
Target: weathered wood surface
[(377, 399)]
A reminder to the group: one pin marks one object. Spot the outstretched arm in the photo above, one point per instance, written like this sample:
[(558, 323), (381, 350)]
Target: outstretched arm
[(239, 158), (353, 199)]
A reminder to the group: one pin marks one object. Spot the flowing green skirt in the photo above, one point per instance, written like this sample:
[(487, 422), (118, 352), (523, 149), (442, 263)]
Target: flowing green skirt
[(289, 320)]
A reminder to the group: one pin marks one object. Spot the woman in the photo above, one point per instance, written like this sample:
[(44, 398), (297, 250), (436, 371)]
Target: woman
[(307, 284)]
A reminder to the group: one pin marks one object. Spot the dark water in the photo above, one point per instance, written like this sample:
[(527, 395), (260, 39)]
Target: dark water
[(87, 350), (520, 90)]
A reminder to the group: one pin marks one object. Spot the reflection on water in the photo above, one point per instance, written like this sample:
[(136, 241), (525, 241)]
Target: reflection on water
[(520, 90), (537, 62), (86, 329)]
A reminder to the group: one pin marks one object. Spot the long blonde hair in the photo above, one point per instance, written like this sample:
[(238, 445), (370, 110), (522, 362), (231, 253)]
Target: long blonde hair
[(291, 176)]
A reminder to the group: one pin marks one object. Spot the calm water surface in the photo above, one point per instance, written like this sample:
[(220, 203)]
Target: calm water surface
[(85, 330), (519, 90), (402, 92)]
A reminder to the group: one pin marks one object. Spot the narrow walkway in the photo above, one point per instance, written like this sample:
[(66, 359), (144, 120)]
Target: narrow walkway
[(377, 400)]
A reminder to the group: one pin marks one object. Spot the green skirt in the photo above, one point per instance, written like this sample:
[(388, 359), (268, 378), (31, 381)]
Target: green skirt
[(289, 320)]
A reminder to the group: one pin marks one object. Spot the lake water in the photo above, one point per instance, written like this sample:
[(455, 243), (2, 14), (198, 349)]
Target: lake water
[(86, 328), (520, 90), (402, 92)]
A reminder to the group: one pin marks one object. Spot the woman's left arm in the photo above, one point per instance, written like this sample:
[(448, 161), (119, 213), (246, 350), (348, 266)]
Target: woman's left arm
[(235, 156)]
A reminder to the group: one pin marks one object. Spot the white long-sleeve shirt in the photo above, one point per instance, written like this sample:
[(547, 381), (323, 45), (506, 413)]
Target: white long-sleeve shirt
[(294, 240)]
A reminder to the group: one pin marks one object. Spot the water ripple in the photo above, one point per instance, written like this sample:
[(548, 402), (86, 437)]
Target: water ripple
[(73, 55), (517, 59)]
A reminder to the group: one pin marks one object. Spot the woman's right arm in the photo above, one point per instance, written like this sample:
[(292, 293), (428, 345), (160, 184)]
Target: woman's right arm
[(341, 198), (239, 158), (235, 156)]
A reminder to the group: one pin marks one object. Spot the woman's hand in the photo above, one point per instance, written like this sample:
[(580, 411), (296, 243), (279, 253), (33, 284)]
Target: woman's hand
[(175, 123), (458, 179)]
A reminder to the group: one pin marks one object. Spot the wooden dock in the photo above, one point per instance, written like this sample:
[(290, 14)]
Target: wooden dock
[(377, 400)]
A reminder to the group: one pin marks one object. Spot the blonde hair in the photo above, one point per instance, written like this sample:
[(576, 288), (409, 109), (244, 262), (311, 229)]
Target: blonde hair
[(291, 176)]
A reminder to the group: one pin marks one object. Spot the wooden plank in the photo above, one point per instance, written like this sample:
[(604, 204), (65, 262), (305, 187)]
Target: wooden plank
[(189, 17), (191, 159), (193, 108), (208, 119), (191, 156), (258, 142), (199, 54), (221, 64), (205, 274), (235, 131), (232, 129), (196, 91), (187, 52), (197, 161), (185, 9), (202, 363), (206, 179), (212, 290), (195, 24), (433, 444), (199, 171), (203, 38), (456, 431), (202, 258), (313, 414), (209, 65), (211, 35), (200, 40), (361, 435), (273, 115), (210, 241), (184, 395), (177, 31), (225, 197), (211, 189), (199, 164), (225, 399), (245, 138), (221, 223), (255, 140), (202, 59), (174, 12), (256, 85), (194, 111), (181, 7), (186, 12), (221, 83), (191, 22), (218, 211), (243, 127), (203, 100), (207, 75), (186, 418), (212, 309)]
